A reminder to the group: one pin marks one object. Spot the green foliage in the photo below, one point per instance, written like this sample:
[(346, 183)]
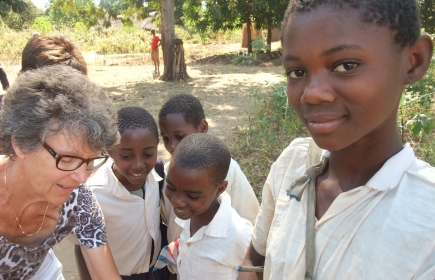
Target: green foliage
[(15, 6), (272, 125), (20, 20), (417, 106), (207, 17), (12, 43), (114, 7), (259, 45), (42, 25), (269, 13), (427, 10), (68, 12)]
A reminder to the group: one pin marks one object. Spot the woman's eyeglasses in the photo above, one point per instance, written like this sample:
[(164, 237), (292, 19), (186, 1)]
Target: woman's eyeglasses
[(71, 163)]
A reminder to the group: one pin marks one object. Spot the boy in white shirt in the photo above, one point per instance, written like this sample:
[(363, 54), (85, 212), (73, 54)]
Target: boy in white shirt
[(183, 115), (214, 237)]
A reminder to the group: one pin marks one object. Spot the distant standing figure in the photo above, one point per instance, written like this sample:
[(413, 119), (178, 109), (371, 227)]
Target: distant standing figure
[(155, 44), (3, 78)]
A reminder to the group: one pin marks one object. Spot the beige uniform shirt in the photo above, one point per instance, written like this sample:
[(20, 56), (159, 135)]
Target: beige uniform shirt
[(243, 199), (382, 230), (132, 223)]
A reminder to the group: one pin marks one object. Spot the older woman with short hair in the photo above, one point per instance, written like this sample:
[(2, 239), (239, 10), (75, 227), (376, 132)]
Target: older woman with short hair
[(55, 126)]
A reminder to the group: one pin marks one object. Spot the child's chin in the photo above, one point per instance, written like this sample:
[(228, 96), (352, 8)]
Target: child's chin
[(182, 216)]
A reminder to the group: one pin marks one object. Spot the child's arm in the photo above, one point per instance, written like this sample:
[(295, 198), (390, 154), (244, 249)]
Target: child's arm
[(252, 258)]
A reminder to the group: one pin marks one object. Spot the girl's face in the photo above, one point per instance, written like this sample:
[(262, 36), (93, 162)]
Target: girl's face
[(344, 77), (134, 157)]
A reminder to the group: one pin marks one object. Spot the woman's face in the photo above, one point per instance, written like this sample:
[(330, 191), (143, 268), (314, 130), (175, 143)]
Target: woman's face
[(47, 182)]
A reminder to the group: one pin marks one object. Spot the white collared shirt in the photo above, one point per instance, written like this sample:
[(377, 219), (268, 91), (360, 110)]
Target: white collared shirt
[(243, 199), (216, 250), (131, 222), (383, 230)]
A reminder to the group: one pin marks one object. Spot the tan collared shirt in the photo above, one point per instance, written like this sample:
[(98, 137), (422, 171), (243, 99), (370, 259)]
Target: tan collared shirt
[(131, 222), (382, 230)]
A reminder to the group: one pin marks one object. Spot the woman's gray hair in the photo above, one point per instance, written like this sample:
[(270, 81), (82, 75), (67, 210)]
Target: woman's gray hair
[(45, 101)]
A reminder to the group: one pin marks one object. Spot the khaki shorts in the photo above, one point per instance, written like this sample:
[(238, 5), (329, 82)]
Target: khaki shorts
[(155, 55)]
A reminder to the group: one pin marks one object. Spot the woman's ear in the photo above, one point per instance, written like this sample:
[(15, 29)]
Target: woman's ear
[(419, 57), (203, 126), (221, 188), (17, 151)]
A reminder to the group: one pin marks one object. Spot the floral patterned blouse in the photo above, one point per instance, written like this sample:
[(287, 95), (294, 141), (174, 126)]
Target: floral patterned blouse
[(81, 215)]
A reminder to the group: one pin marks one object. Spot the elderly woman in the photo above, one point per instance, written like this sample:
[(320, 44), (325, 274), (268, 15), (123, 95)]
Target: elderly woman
[(54, 128)]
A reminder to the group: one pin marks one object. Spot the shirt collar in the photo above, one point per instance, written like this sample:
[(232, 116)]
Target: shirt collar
[(392, 171), (218, 225), (104, 177)]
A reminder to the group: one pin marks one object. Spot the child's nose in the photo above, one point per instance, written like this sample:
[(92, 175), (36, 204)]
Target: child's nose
[(178, 201), (172, 145), (318, 90), (138, 163)]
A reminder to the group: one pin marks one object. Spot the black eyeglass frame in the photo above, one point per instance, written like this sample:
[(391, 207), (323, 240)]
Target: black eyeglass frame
[(58, 157)]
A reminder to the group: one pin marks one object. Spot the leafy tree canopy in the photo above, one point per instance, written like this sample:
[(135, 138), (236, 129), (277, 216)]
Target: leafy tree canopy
[(18, 15), (16, 6)]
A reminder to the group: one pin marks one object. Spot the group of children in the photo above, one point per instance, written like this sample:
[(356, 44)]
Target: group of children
[(196, 208), (349, 203)]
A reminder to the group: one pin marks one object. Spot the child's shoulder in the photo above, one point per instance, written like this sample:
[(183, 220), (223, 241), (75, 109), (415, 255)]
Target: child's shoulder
[(236, 225), (294, 156), (423, 173)]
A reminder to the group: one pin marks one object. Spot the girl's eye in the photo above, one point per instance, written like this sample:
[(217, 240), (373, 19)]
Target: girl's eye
[(125, 156), (179, 137), (148, 155), (193, 197), (295, 73), (345, 66), (165, 139)]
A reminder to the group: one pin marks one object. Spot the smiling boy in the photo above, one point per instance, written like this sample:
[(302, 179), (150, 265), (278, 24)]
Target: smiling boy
[(214, 237), (373, 199)]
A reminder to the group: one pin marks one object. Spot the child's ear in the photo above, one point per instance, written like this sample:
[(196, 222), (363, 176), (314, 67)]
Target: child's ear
[(221, 188), (419, 58), (203, 126)]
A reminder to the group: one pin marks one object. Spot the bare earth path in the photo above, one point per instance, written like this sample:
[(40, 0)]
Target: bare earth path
[(221, 89)]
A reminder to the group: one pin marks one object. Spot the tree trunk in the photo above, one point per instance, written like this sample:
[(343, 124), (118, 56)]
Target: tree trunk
[(249, 28), (173, 52), (269, 40)]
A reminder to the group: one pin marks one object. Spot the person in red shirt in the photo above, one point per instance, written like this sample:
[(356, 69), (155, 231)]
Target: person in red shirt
[(155, 43)]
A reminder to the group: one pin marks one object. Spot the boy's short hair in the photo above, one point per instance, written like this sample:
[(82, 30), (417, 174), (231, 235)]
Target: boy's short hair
[(200, 151), (136, 117), (400, 16), (47, 50), (187, 105)]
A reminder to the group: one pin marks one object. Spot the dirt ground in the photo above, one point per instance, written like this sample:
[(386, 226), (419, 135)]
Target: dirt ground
[(129, 80)]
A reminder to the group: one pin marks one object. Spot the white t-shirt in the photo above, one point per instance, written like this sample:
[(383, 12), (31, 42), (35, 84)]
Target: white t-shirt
[(243, 199), (131, 222), (51, 268), (216, 250), (382, 230)]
